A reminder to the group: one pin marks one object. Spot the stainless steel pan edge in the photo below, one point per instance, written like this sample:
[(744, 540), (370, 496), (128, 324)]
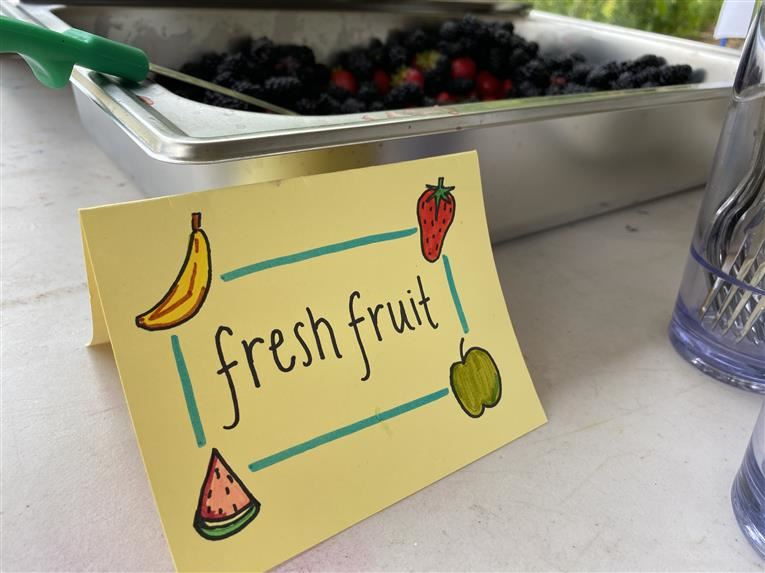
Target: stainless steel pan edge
[(165, 141)]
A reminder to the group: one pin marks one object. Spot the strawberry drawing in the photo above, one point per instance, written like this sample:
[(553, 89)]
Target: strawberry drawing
[(435, 213)]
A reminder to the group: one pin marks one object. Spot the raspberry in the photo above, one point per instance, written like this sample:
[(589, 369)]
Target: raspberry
[(463, 68), (382, 81), (346, 80)]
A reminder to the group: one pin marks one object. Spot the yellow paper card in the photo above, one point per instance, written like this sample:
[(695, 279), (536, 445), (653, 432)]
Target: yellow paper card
[(330, 345)]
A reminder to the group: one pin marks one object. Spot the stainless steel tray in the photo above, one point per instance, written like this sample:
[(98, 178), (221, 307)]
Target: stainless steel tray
[(544, 161)]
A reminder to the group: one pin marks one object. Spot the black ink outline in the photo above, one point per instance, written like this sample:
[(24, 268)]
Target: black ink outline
[(205, 290), (202, 526), (430, 187), (484, 406)]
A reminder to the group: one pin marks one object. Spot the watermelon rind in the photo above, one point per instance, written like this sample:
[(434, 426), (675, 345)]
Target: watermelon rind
[(209, 530)]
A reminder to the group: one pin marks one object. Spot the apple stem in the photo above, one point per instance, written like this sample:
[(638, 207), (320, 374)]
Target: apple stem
[(462, 352)]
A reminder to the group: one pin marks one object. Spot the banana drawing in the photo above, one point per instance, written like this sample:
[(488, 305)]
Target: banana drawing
[(189, 290)]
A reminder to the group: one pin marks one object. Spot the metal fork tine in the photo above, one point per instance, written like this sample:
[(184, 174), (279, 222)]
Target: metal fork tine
[(758, 241), (758, 310), (759, 275)]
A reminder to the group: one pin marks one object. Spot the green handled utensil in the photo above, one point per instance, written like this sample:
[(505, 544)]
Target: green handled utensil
[(52, 55)]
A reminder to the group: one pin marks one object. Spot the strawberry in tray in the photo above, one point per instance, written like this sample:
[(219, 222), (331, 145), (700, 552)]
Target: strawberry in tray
[(435, 213)]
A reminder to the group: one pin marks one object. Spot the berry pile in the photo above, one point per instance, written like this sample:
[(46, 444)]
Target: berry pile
[(460, 61)]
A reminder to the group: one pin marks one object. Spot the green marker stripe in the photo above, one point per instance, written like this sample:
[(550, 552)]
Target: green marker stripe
[(188, 392), (455, 295), (347, 430), (317, 252)]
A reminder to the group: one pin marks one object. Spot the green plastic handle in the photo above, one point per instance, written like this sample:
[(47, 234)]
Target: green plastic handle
[(51, 55)]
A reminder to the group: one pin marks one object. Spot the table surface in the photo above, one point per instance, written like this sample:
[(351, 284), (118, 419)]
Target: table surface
[(632, 472)]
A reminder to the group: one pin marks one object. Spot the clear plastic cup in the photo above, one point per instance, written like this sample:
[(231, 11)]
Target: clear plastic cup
[(719, 320), (748, 492)]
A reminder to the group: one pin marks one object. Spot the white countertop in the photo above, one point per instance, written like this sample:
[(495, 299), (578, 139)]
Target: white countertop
[(632, 472)]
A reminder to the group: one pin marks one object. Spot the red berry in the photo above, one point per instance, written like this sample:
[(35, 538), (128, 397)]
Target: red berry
[(463, 68), (507, 87), (487, 85), (444, 97), (344, 79), (382, 81), (410, 76)]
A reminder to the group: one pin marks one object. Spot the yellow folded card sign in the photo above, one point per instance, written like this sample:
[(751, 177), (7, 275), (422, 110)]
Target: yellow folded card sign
[(330, 345)]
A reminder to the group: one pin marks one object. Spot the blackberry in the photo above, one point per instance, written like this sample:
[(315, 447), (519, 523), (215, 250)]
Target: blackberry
[(262, 58), (352, 105), (461, 86), (436, 80), (305, 106), (472, 27), (398, 56), (518, 58), (248, 88), (282, 89), (532, 49), (417, 40), (368, 92), (449, 31), (377, 54), (625, 81), (579, 73), (235, 64), (527, 89), (428, 101), (358, 63), (327, 105), (405, 95), (602, 76), (647, 61), (225, 79), (376, 105), (220, 100), (561, 64), (536, 72), (647, 75), (314, 78), (509, 26), (338, 93), (502, 37), (498, 62), (675, 75), (206, 67)]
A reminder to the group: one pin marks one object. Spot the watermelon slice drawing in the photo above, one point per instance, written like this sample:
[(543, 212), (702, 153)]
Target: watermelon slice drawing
[(226, 506)]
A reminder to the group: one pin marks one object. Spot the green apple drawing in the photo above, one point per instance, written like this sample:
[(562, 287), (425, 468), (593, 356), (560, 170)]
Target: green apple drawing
[(475, 381)]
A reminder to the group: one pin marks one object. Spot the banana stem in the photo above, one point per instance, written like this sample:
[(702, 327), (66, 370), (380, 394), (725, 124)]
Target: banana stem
[(196, 221), (462, 345)]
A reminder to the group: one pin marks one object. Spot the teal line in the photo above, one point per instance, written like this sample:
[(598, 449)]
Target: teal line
[(188, 392), (346, 430), (455, 295), (317, 252)]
